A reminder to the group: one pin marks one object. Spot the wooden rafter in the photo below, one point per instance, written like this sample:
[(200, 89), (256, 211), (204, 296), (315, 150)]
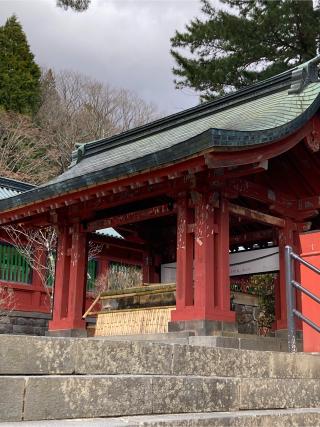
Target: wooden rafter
[(256, 215)]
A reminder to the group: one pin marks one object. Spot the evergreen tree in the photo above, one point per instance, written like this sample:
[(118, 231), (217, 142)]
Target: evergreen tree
[(76, 5), (19, 74), (247, 41)]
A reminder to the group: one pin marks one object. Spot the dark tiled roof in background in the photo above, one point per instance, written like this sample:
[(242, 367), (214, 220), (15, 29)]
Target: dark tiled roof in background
[(259, 114), (12, 187)]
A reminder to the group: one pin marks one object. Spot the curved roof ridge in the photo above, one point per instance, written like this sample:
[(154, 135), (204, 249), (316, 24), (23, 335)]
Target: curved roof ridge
[(256, 90), (273, 84)]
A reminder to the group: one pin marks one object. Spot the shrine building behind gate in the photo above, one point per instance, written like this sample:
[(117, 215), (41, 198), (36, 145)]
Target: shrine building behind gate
[(241, 169)]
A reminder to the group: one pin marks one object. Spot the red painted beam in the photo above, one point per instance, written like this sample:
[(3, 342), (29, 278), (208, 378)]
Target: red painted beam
[(124, 184), (260, 193), (116, 242), (131, 217)]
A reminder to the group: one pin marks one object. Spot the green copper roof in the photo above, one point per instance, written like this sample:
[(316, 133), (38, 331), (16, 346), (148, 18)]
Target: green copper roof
[(262, 113), (267, 113)]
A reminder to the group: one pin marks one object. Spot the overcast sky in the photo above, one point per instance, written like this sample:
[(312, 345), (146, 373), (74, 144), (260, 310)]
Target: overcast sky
[(125, 43)]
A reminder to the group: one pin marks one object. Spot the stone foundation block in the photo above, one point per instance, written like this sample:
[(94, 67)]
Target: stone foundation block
[(39, 331), (6, 328), (11, 398), (202, 327), (22, 329)]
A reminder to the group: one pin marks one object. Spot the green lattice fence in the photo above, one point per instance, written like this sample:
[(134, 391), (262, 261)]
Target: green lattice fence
[(13, 266), (91, 274)]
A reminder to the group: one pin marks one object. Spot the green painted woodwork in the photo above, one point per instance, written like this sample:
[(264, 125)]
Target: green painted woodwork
[(14, 266), (91, 275)]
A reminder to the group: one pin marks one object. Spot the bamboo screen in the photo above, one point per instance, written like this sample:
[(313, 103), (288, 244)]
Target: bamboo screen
[(134, 321)]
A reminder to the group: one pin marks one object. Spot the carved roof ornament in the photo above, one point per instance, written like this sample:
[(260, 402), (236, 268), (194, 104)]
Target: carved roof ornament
[(303, 75)]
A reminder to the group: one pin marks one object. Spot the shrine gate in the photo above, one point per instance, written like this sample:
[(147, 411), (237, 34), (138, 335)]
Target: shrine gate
[(243, 169)]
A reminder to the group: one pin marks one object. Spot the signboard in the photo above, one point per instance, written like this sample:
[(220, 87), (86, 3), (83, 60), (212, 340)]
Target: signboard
[(254, 262), (241, 263)]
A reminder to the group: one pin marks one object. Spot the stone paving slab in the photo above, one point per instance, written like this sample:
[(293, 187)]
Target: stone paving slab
[(267, 418)]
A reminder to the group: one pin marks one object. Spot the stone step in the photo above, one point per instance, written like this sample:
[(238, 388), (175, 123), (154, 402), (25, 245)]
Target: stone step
[(25, 355), (168, 337), (304, 417), (225, 339), (245, 342), (87, 396)]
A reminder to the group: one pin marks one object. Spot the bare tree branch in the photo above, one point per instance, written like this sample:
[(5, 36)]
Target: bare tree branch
[(38, 247), (77, 109)]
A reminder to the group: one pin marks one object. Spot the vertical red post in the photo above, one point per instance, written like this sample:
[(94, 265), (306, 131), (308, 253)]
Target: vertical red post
[(285, 238), (70, 282), (184, 267), (147, 276), (222, 272), (38, 279), (204, 257), (78, 278), (61, 285), (211, 293)]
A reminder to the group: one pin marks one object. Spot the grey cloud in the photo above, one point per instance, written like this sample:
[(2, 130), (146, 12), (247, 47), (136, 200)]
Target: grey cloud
[(124, 43)]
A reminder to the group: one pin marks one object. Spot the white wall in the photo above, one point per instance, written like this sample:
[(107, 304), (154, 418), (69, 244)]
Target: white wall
[(243, 262)]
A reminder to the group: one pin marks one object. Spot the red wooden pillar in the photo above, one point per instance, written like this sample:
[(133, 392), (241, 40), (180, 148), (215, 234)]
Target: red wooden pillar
[(286, 237), (222, 271), (150, 262), (211, 263), (184, 267), (147, 268), (61, 285), (78, 278), (38, 281), (70, 282), (204, 257)]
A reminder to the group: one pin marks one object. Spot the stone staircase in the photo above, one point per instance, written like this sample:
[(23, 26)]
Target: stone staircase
[(139, 383)]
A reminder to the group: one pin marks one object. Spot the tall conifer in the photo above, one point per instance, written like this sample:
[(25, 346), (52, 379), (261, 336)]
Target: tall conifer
[(246, 41), (19, 74)]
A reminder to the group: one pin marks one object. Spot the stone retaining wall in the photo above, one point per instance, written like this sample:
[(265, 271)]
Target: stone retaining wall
[(24, 323)]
